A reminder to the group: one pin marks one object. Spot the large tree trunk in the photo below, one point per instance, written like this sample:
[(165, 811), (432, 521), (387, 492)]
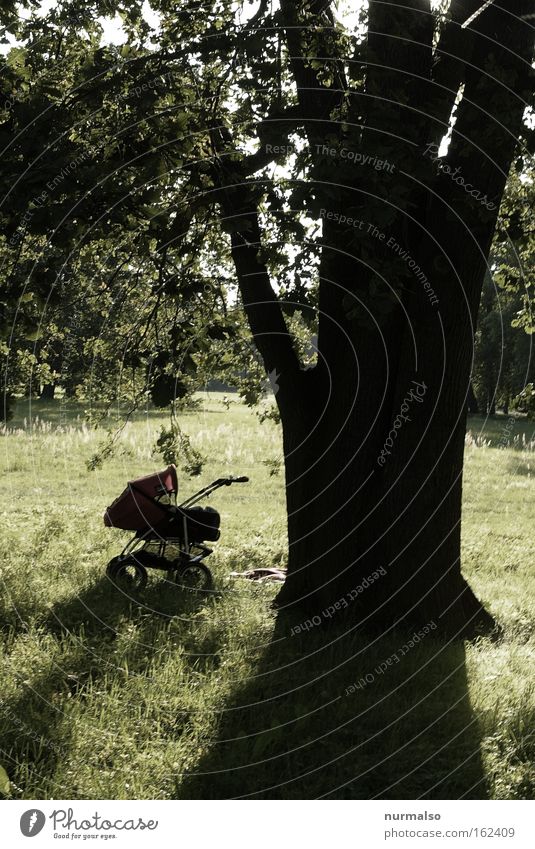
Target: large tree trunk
[(374, 513), (355, 510), (369, 493)]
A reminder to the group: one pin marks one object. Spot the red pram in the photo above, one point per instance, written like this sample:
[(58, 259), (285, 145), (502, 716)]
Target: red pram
[(168, 536)]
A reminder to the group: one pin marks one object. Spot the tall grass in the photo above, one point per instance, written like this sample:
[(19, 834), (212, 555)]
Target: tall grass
[(175, 696)]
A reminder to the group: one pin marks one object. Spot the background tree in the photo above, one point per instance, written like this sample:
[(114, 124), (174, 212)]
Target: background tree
[(504, 366)]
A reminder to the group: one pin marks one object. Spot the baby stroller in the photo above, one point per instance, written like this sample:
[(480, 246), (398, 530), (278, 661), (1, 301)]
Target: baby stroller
[(167, 536)]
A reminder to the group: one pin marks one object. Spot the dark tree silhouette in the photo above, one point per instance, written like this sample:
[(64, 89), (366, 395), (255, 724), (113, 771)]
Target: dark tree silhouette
[(374, 434), (179, 145)]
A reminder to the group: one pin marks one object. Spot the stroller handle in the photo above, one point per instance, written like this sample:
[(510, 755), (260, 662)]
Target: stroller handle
[(203, 493)]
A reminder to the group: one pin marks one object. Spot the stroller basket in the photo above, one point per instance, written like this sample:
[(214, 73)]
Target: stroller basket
[(202, 523)]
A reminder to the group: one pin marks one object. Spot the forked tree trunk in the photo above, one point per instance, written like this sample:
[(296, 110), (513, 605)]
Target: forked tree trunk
[(355, 511), (368, 493)]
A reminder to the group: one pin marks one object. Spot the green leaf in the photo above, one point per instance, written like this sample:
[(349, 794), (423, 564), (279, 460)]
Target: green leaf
[(5, 784), (16, 58), (34, 335)]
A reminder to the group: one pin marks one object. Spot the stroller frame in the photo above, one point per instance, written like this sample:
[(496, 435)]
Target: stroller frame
[(147, 548)]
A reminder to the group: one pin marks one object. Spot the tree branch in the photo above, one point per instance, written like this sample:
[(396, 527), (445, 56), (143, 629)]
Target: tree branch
[(238, 199), (498, 83), (400, 35), (453, 50), (307, 41), (284, 122)]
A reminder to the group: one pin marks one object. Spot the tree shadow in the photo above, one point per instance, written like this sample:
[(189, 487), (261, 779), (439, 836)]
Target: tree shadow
[(80, 635), (524, 468), (326, 715)]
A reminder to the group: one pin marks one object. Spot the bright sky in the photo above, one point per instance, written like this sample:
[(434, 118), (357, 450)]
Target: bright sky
[(347, 11), (113, 32)]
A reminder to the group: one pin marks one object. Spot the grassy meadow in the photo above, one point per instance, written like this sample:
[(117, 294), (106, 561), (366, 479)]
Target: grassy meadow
[(178, 696)]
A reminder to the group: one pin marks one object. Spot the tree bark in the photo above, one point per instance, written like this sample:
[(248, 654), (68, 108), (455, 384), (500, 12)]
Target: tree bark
[(374, 434), (473, 406), (374, 517), (47, 392)]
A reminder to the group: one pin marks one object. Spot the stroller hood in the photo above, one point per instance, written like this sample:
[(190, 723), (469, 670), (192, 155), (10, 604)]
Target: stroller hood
[(138, 506)]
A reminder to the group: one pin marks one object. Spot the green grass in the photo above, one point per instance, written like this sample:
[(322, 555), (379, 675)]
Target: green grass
[(184, 697)]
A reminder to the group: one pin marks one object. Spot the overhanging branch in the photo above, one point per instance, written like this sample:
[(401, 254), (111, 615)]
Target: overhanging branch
[(453, 50), (497, 86), (399, 54), (238, 199), (312, 20)]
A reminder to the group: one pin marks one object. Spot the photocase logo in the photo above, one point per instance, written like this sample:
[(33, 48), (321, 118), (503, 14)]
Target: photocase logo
[(271, 382), (273, 378), (32, 822)]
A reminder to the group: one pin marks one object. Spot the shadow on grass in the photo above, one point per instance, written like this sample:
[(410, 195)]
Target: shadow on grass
[(70, 412), (522, 468), (80, 637), (501, 431), (101, 606), (302, 729)]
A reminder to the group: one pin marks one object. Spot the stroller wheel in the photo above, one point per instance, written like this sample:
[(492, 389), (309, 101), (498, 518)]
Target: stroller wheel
[(112, 566), (127, 574), (194, 577)]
